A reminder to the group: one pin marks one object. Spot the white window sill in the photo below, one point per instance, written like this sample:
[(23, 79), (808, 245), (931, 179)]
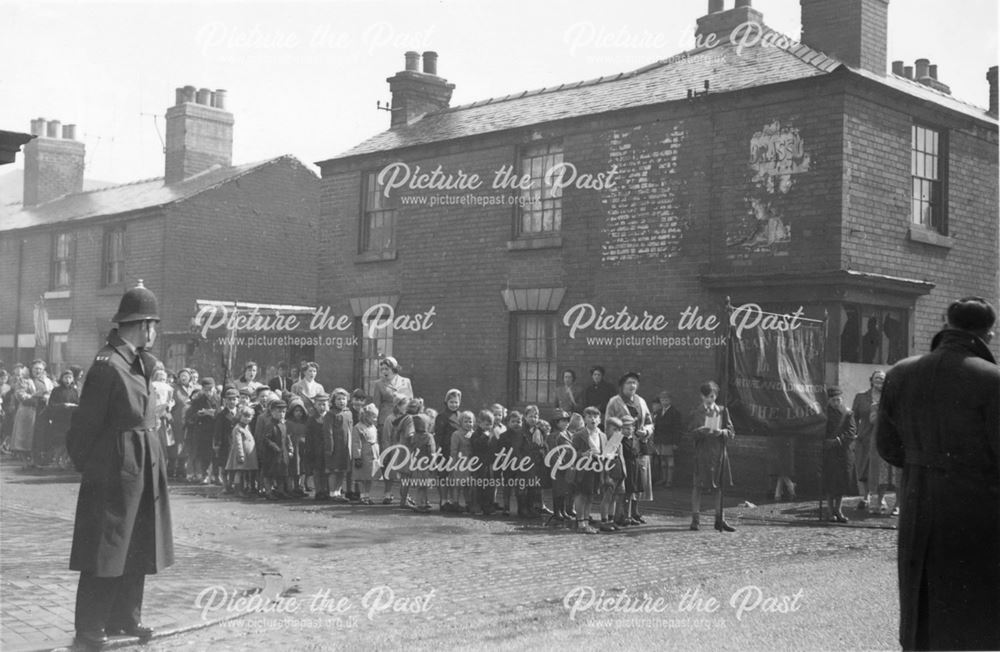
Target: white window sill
[(534, 242), (922, 234), (57, 294)]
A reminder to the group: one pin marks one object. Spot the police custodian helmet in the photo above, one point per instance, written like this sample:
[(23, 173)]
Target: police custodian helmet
[(138, 304)]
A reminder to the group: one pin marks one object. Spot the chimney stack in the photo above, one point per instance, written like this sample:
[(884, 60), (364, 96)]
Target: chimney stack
[(722, 22), (854, 31), (926, 74), (415, 93), (897, 68), (53, 162), (199, 133), (991, 77)]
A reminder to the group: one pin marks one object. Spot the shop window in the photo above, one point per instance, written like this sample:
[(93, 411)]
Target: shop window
[(873, 335)]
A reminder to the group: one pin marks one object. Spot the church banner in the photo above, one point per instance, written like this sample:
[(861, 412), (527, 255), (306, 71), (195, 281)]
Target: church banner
[(776, 380)]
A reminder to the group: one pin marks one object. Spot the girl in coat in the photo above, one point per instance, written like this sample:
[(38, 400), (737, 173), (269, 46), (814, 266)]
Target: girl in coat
[(341, 427), (397, 429), (710, 426), (461, 453), (838, 453), (445, 425), (243, 454), (365, 451), (509, 444), (423, 449), (299, 466)]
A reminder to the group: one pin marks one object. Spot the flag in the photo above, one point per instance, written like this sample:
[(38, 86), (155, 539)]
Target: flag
[(775, 379), (41, 318)]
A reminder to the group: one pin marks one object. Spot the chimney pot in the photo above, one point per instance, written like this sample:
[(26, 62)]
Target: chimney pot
[(204, 96), (69, 132), (932, 71), (921, 68), (715, 6), (412, 61), (897, 68), (431, 62), (38, 127), (908, 72), (179, 95), (743, 3), (53, 128), (220, 98), (189, 92)]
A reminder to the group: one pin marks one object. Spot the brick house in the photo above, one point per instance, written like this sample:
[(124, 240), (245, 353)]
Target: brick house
[(207, 231), (778, 173)]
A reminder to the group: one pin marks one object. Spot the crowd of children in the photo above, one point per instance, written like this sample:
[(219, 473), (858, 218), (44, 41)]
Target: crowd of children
[(274, 443)]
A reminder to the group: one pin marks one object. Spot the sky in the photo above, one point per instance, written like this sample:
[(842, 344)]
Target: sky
[(303, 78)]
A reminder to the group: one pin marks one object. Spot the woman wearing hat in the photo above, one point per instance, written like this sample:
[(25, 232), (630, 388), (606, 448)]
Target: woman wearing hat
[(389, 387), (627, 402), (838, 453)]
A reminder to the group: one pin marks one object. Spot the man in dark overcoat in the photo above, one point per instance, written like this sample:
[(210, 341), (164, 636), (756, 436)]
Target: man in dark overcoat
[(939, 419), (122, 531)]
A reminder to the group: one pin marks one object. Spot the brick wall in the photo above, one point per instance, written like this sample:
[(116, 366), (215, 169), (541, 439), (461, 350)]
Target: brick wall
[(769, 181), (89, 305), (252, 239), (877, 216)]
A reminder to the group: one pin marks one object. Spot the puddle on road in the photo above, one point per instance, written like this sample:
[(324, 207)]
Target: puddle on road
[(334, 539)]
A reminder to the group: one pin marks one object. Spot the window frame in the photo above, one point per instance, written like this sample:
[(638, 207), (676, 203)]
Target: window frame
[(106, 262), (386, 210), (67, 262), (523, 153), (936, 186), (515, 361), (365, 364)]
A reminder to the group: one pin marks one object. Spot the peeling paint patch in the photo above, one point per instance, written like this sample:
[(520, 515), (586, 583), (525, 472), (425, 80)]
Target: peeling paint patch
[(776, 154), (643, 220)]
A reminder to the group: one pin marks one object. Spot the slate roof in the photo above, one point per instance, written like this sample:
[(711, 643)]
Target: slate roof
[(125, 198), (725, 68)]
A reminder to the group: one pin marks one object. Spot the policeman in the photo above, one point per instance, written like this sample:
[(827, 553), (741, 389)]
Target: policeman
[(122, 530)]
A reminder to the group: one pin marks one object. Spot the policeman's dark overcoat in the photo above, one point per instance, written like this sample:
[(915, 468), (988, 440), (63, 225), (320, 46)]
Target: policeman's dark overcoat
[(122, 515), (940, 420)]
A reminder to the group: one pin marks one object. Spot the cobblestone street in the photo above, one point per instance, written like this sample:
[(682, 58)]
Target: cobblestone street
[(379, 577)]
